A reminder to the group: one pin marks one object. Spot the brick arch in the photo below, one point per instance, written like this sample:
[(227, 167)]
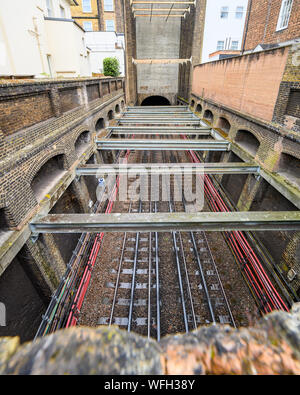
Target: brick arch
[(291, 152), (288, 166), (159, 97), (96, 119), (259, 136), (82, 141), (210, 110), (248, 140), (38, 164), (224, 122), (197, 108), (77, 132), (111, 114)]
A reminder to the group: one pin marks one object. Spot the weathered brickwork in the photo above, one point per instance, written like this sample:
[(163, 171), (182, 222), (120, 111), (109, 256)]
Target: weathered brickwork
[(263, 23), (130, 44), (265, 143), (191, 38), (24, 153), (285, 112), (22, 111), (248, 83)]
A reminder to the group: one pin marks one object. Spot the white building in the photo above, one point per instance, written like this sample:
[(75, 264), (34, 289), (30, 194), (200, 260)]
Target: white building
[(224, 27), (38, 38), (104, 45)]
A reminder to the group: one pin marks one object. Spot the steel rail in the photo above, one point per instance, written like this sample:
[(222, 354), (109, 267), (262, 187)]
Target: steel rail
[(220, 282), (149, 279), (118, 275), (134, 275), (187, 280), (157, 281), (179, 276)]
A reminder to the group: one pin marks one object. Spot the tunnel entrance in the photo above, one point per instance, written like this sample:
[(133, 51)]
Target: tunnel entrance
[(155, 101)]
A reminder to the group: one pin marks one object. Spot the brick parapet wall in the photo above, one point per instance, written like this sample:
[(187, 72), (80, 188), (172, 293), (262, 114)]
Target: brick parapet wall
[(248, 83), (274, 139), (24, 152)]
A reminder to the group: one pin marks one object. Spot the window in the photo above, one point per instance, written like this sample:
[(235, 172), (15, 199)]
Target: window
[(110, 25), (284, 15), (49, 8), (224, 12), (62, 12), (234, 45), (108, 5), (86, 6), (239, 12), (220, 45), (88, 26)]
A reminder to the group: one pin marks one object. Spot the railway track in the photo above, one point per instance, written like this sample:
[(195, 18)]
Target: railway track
[(164, 282), (152, 283)]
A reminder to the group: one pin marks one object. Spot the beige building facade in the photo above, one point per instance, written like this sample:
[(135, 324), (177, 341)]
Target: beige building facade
[(39, 38)]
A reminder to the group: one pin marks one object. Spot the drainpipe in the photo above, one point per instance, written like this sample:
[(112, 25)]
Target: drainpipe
[(99, 14), (246, 26)]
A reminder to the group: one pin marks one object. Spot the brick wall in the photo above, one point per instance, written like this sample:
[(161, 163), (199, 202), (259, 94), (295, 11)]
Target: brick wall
[(22, 111), (98, 15), (23, 153), (93, 92), (263, 22), (191, 37), (69, 99), (130, 45), (286, 113), (80, 16), (248, 83)]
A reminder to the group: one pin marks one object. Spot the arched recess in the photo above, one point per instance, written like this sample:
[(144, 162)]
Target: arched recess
[(117, 109), (82, 142), (110, 115), (100, 124), (192, 103), (198, 108), (155, 101), (248, 141), (224, 125), (3, 219), (289, 167), (122, 104), (208, 115), (47, 176)]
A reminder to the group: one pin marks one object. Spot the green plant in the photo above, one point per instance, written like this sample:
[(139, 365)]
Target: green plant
[(111, 67)]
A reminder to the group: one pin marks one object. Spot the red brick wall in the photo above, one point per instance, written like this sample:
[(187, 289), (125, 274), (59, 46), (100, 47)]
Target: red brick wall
[(248, 84), (263, 22)]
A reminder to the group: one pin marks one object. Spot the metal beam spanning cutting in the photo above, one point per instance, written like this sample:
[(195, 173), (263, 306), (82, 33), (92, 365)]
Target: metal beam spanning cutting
[(164, 121), (163, 2), (168, 168), (160, 61), (163, 222), (166, 145), (158, 16), (175, 115), (158, 108), (160, 131), (153, 112)]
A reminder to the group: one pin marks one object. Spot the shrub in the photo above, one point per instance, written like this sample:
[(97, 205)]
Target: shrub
[(111, 67)]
